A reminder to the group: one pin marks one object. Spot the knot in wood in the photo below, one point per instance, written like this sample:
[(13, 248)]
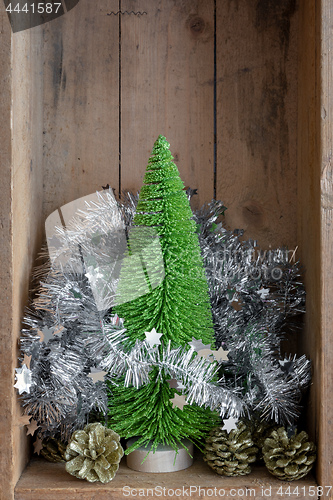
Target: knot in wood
[(196, 24)]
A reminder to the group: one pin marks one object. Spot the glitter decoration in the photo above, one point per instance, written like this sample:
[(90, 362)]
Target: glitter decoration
[(94, 454), (178, 401), (153, 338), (230, 453), (24, 380), (174, 302), (255, 298), (289, 458), (229, 424)]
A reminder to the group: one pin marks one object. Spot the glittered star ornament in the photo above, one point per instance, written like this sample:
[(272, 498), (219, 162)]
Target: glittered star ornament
[(97, 375), (198, 345), (32, 427), (23, 420), (175, 384), (178, 401), (48, 334), (27, 360), (229, 424), (45, 334), (153, 338), (221, 355), (38, 446), (207, 354), (23, 379), (263, 292)]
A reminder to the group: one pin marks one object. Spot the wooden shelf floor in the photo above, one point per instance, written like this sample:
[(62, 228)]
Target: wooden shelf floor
[(46, 481)]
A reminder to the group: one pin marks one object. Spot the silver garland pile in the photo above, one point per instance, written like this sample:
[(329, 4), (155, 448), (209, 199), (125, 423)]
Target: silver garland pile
[(72, 345)]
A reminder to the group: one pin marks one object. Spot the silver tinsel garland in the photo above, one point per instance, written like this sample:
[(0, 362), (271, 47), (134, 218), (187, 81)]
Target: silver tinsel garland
[(70, 331)]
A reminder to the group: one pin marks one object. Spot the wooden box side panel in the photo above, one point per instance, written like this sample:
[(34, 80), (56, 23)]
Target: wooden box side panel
[(27, 189), (315, 217), (325, 115), (6, 272)]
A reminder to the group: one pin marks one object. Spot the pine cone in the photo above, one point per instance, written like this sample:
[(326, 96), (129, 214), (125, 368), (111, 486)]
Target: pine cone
[(289, 458), (53, 450), (94, 453), (260, 431), (230, 454)]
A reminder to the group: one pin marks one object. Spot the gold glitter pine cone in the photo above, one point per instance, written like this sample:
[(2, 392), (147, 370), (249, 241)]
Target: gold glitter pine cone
[(230, 454), (260, 431), (94, 453), (53, 450), (287, 458)]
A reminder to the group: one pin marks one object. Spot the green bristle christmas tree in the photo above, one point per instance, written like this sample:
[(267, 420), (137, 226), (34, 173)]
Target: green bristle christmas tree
[(164, 272)]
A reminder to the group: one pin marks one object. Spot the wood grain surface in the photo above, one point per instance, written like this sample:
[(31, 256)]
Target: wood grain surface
[(6, 265), (242, 91), (167, 87), (325, 351), (257, 118), (46, 481), (81, 120)]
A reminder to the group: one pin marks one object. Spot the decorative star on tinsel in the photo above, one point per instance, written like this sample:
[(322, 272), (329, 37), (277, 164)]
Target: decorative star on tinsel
[(198, 345), (97, 375), (263, 292), (23, 420), (32, 427), (38, 446), (47, 333), (207, 354), (153, 338), (23, 379), (27, 360), (178, 401), (175, 384), (229, 424), (211, 355), (221, 355)]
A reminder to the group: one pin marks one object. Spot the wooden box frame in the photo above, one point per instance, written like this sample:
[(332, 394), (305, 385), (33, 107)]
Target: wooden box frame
[(33, 155)]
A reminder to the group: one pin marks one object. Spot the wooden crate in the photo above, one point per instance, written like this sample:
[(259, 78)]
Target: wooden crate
[(242, 90)]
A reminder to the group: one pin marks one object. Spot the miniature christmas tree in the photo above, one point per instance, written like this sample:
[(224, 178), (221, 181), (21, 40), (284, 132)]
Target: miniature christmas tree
[(174, 301)]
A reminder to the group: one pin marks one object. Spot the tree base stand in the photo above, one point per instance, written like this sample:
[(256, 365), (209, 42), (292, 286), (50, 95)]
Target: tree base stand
[(164, 459)]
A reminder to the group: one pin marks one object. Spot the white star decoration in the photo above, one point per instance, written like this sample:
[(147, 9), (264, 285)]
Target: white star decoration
[(229, 424), (221, 355), (263, 292), (97, 375), (153, 338), (23, 379), (198, 345), (205, 351), (178, 401)]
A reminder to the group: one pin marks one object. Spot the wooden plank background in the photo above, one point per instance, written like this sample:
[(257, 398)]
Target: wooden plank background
[(81, 107), (167, 87), (220, 80), (257, 118), (101, 119)]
